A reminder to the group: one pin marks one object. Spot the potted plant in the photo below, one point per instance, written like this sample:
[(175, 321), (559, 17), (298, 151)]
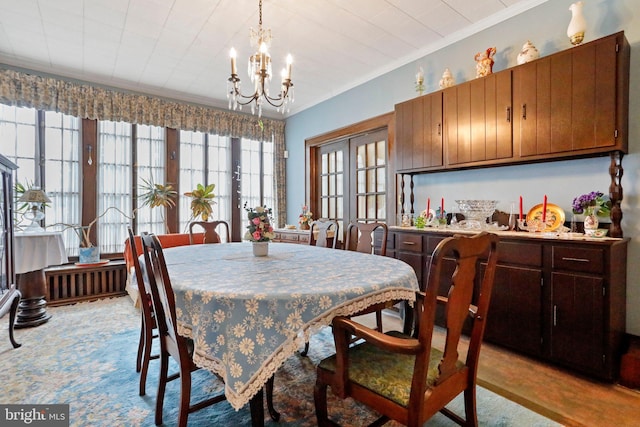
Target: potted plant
[(201, 201), (158, 195)]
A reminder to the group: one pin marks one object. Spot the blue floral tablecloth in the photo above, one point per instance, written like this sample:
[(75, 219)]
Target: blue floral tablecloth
[(248, 314)]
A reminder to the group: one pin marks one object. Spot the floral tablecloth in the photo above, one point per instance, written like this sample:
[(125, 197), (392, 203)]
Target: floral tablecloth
[(248, 314)]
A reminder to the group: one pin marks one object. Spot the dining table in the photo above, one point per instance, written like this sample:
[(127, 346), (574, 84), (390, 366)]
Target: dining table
[(247, 314)]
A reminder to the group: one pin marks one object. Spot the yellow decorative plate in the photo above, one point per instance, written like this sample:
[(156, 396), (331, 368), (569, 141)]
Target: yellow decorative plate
[(555, 216)]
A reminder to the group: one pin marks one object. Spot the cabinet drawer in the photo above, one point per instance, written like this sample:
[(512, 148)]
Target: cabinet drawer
[(409, 242), (529, 254), (586, 260)]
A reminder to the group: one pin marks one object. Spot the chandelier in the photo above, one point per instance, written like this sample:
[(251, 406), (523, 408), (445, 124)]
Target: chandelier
[(259, 70)]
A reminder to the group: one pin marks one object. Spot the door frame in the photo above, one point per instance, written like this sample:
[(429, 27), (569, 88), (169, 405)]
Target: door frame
[(366, 126)]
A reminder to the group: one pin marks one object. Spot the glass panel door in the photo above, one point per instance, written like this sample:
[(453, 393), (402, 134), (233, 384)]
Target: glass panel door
[(369, 166), (333, 183)]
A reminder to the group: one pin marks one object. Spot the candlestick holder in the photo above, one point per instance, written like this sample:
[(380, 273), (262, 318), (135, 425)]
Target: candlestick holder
[(533, 226)]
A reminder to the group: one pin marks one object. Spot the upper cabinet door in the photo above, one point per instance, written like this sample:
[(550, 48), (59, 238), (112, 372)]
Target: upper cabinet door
[(568, 102), (419, 133), (478, 118)]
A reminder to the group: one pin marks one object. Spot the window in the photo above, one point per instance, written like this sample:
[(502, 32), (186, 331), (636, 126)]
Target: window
[(150, 166), (88, 166), (256, 174), (62, 175), (47, 158), (114, 181)]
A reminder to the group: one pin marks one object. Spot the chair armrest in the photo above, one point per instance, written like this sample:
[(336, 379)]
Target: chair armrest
[(394, 344)]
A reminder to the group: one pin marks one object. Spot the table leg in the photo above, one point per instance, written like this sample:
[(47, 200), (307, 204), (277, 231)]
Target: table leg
[(256, 404), (275, 415), (257, 409), (32, 310)]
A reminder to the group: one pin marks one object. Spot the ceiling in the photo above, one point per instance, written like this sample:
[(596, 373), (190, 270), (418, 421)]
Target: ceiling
[(180, 48)]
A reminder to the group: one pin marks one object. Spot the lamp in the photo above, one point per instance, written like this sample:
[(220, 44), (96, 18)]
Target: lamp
[(36, 198), (259, 70)]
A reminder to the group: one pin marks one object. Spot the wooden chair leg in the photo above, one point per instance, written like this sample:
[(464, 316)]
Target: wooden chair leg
[(140, 346), (471, 414), (275, 415), (162, 384), (146, 357), (12, 321), (185, 396), (320, 400), (306, 349), (379, 320)]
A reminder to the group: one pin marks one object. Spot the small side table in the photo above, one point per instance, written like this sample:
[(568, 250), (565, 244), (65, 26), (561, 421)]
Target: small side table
[(34, 252)]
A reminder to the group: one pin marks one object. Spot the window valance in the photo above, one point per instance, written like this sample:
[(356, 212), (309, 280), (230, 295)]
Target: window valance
[(21, 89)]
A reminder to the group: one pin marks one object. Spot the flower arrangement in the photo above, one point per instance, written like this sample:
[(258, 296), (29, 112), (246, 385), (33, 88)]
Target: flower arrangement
[(259, 228), (594, 202), (305, 216)]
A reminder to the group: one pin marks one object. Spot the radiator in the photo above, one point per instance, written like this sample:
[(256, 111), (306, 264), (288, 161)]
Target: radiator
[(69, 284)]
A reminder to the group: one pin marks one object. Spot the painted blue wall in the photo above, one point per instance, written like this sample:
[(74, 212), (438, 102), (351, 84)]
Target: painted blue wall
[(545, 25)]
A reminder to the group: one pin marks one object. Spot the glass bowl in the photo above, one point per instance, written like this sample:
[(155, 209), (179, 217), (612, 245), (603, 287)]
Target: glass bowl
[(477, 210)]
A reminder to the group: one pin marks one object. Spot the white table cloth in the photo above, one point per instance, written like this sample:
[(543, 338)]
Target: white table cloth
[(35, 251), (248, 314)]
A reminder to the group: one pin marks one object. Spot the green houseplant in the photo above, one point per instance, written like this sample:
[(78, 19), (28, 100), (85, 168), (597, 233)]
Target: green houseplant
[(158, 195), (201, 201)]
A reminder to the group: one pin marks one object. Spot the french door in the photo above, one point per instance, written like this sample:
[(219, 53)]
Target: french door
[(351, 179)]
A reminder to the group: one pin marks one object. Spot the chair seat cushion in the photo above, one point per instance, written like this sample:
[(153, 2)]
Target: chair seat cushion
[(385, 373)]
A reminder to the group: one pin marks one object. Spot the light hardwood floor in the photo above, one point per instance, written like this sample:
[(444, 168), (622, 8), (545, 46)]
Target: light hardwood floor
[(554, 392)]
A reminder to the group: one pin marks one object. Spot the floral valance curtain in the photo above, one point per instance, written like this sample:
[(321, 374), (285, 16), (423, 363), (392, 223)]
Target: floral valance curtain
[(21, 89)]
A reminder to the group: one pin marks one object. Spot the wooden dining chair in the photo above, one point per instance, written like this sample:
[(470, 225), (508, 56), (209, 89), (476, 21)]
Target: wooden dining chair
[(320, 230), (211, 234), (403, 377), (174, 345), (361, 238), (148, 327)]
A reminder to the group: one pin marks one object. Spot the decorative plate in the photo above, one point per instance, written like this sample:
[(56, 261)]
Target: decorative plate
[(92, 264), (555, 216)]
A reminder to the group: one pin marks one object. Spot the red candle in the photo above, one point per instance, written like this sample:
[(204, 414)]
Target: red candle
[(520, 208), (442, 208), (428, 206), (544, 209)]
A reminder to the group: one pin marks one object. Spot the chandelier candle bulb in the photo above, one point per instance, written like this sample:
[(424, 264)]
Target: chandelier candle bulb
[(232, 54), (289, 62)]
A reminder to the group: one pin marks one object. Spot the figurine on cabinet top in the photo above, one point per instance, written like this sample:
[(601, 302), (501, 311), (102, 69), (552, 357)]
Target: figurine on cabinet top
[(484, 62), (528, 53), (447, 79)]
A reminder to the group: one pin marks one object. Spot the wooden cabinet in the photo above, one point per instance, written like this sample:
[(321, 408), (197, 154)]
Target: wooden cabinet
[(572, 102), (515, 319), (559, 300), (419, 133), (477, 117)]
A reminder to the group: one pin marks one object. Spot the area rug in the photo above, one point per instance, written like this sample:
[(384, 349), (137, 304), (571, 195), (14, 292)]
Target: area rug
[(85, 356)]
